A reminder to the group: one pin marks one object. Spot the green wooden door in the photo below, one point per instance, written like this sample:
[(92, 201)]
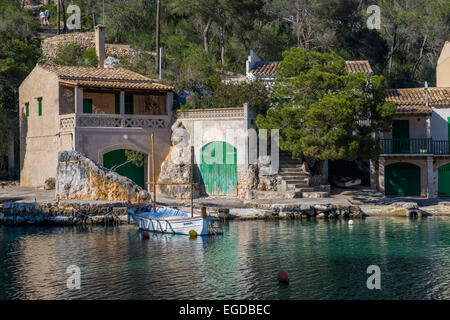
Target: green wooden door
[(87, 105), (400, 136), (218, 167), (130, 170), (444, 180), (402, 179)]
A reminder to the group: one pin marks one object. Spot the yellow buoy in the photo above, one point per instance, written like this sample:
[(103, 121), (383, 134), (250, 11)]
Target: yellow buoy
[(193, 233)]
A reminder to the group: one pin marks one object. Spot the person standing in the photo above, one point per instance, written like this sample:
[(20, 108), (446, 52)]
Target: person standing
[(47, 16), (42, 17)]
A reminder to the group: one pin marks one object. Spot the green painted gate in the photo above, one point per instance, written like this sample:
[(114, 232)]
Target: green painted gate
[(402, 179), (218, 167), (130, 170), (400, 136), (444, 180)]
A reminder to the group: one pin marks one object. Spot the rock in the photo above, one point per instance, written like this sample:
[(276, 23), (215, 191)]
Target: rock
[(50, 184), (81, 178), (177, 165), (406, 205)]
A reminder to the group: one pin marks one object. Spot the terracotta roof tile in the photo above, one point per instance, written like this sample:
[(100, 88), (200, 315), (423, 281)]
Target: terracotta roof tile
[(103, 77), (358, 66), (269, 68), (265, 68), (414, 100)]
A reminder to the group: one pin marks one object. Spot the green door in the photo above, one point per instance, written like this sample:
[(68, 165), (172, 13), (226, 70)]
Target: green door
[(218, 167), (118, 158), (402, 179), (400, 136), (444, 180), (87, 105)]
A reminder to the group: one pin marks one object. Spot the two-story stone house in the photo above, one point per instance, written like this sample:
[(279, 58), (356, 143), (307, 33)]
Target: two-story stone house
[(415, 159), (100, 112)]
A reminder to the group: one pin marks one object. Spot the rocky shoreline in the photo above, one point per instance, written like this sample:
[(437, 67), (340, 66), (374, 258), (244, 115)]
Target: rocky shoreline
[(114, 213)]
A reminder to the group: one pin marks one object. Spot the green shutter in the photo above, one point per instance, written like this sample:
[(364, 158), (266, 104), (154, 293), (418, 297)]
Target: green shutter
[(129, 106), (27, 109), (400, 136), (40, 107), (87, 105), (117, 103)]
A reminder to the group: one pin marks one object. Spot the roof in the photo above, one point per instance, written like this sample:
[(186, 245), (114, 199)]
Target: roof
[(358, 66), (117, 78), (262, 68), (268, 68), (414, 100)]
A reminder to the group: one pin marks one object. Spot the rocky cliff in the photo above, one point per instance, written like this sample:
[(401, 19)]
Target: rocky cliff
[(81, 178)]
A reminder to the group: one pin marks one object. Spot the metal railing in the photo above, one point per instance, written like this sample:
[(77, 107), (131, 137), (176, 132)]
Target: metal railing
[(414, 146)]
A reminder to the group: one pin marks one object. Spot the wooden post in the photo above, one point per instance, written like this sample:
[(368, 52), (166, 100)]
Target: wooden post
[(58, 16), (158, 4), (204, 212), (153, 169), (191, 181)]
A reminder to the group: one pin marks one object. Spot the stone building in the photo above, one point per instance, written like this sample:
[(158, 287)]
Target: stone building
[(99, 112)]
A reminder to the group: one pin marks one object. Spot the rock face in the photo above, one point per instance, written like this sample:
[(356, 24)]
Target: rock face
[(177, 166), (50, 184), (81, 178)]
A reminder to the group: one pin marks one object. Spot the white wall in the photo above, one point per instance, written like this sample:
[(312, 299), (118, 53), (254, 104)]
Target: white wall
[(439, 123)]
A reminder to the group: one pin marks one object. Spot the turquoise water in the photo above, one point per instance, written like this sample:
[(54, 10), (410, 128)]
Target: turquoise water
[(325, 260)]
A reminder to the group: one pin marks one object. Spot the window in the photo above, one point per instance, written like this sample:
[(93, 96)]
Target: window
[(87, 105), (27, 109), (129, 106), (39, 106)]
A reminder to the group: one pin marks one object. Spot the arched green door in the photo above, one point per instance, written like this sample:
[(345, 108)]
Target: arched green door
[(402, 179), (125, 167), (218, 167), (444, 181)]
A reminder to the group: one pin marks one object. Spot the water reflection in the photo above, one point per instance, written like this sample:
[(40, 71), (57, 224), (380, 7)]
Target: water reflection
[(325, 260)]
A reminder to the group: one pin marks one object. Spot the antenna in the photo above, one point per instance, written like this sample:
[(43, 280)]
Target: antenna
[(426, 94)]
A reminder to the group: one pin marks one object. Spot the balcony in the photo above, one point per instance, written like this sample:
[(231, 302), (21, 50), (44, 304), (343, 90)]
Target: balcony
[(70, 121), (415, 146)]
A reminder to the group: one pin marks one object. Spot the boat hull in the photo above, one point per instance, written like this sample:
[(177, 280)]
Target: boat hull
[(175, 226)]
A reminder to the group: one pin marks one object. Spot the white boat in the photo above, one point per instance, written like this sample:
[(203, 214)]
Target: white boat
[(167, 220), (346, 182)]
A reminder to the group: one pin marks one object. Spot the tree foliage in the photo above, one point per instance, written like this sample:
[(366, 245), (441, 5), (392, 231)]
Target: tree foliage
[(323, 112)]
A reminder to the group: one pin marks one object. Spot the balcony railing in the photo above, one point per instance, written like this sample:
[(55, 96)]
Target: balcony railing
[(414, 146), (90, 120)]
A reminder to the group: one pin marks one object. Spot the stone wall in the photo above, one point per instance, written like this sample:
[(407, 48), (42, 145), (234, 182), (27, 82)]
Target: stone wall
[(86, 40), (81, 178)]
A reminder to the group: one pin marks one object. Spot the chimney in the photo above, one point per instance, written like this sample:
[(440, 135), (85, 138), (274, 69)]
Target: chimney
[(100, 45)]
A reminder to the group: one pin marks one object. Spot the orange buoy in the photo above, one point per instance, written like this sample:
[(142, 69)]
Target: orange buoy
[(283, 276), (145, 234)]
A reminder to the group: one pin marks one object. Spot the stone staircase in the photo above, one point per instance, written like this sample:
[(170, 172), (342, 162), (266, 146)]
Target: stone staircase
[(294, 177)]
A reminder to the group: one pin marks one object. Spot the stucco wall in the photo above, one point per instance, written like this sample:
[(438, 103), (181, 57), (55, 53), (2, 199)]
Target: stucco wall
[(439, 123), (443, 67), (101, 102), (417, 126), (39, 140)]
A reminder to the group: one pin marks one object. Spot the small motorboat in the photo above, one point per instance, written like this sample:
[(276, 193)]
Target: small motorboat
[(346, 182), (168, 220)]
